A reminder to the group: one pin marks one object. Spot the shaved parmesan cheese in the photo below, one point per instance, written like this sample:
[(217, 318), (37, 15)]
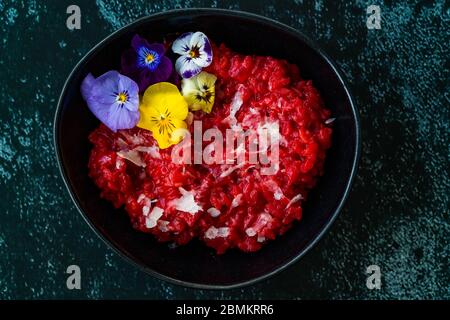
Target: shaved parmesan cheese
[(152, 219), (294, 200), (237, 201), (134, 139), (213, 212), (273, 186), (262, 220), (236, 104), (145, 210), (163, 225), (250, 232), (278, 194), (104, 159), (118, 163), (261, 239), (132, 156), (331, 120), (231, 169), (153, 151), (186, 203), (214, 232), (253, 110), (122, 143), (141, 197)]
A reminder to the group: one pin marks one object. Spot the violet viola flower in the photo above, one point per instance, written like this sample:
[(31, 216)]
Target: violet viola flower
[(196, 53), (113, 98), (146, 63)]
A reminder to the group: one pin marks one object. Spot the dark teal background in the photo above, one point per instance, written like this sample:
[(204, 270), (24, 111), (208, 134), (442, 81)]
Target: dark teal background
[(396, 217)]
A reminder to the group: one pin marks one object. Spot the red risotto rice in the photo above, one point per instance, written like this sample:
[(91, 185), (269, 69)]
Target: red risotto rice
[(235, 205)]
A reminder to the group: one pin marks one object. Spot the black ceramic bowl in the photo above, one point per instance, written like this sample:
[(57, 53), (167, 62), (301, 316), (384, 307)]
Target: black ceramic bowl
[(195, 264)]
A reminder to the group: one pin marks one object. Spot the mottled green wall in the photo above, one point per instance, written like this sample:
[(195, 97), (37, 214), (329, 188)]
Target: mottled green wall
[(397, 215)]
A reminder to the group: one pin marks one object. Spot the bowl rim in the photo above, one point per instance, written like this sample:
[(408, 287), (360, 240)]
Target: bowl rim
[(231, 13)]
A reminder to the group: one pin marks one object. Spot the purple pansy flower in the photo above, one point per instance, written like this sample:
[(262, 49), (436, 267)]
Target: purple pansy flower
[(146, 63), (113, 98), (196, 53)]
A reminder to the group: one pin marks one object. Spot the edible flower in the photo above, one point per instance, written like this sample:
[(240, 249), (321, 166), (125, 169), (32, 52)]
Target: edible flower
[(199, 91), (113, 98), (196, 53), (146, 63), (163, 111)]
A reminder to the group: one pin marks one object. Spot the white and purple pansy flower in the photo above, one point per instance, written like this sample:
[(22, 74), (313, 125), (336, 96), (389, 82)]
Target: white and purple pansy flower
[(113, 98), (196, 53)]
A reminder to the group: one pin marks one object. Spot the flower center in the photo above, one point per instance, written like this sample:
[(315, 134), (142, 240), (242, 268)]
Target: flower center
[(165, 125), (204, 97), (148, 58), (194, 52), (164, 122), (122, 97)]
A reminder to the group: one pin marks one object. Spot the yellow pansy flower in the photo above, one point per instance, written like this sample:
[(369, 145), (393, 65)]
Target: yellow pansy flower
[(163, 111), (199, 91)]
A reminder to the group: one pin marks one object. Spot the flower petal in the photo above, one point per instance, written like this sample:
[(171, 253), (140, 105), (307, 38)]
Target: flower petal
[(199, 91), (174, 77), (191, 99), (198, 40), (101, 97), (163, 72), (168, 138), (149, 118), (86, 86), (143, 79), (177, 134), (186, 67), (165, 95), (158, 48), (129, 86), (182, 44), (128, 63), (120, 117), (201, 41), (160, 99), (189, 85), (162, 139), (206, 80), (204, 59), (138, 42), (163, 110), (106, 88), (134, 63)]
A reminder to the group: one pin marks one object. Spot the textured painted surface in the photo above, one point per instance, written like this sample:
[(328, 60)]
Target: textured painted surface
[(397, 215)]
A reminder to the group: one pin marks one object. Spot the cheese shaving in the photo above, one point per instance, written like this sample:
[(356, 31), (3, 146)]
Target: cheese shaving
[(186, 203), (152, 220)]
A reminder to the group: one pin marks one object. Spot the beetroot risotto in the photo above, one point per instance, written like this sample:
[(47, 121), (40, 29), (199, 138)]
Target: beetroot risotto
[(226, 205)]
